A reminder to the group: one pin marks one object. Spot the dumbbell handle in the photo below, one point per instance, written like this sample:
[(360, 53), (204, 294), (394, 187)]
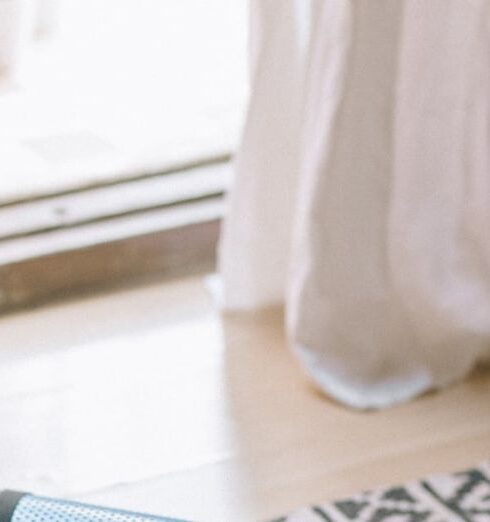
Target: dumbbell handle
[(23, 507)]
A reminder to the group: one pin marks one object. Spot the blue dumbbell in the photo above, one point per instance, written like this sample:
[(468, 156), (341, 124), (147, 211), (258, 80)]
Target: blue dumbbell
[(23, 507)]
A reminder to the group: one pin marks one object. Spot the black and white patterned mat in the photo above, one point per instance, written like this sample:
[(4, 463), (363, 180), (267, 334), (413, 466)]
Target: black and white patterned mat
[(460, 497)]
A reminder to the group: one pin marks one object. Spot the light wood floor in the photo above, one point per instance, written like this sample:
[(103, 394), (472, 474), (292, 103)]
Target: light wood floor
[(149, 400)]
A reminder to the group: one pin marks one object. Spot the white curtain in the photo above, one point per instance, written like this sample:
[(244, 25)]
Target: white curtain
[(362, 192)]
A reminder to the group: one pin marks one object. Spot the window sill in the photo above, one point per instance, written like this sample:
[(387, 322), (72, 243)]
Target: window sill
[(111, 236)]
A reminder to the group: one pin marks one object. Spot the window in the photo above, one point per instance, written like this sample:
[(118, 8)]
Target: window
[(117, 127)]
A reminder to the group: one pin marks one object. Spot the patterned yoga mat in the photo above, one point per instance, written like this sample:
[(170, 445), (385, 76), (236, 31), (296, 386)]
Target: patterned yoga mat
[(460, 497)]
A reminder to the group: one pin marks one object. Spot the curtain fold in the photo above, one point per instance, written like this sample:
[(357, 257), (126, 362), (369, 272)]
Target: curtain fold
[(362, 193)]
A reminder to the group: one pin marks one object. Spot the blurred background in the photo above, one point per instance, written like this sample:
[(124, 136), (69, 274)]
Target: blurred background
[(122, 380), (117, 120)]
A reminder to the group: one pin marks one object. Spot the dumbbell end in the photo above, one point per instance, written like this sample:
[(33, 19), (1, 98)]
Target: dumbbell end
[(8, 504)]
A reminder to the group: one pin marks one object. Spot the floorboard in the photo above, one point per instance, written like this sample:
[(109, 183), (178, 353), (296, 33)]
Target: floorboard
[(149, 399)]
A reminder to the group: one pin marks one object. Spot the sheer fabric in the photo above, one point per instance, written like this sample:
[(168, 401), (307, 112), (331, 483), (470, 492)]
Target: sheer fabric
[(362, 192)]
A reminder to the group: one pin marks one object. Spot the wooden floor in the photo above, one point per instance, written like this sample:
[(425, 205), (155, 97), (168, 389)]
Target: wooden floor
[(147, 399)]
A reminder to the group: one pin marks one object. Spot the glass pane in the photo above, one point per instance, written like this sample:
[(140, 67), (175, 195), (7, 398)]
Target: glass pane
[(120, 88)]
